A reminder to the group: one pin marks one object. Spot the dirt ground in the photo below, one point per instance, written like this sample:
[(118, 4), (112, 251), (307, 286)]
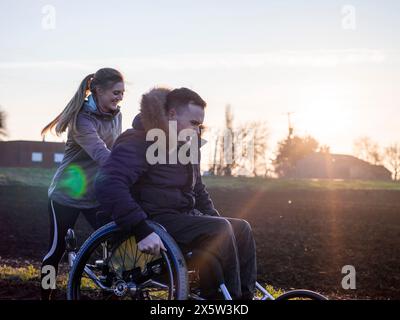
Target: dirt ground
[(303, 238)]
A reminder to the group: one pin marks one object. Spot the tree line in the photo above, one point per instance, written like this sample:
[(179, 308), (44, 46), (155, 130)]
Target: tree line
[(243, 150)]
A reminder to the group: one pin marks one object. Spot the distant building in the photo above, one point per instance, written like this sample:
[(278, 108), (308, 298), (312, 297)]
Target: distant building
[(338, 166), (31, 153)]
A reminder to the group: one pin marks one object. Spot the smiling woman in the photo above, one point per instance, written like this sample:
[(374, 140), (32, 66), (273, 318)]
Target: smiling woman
[(93, 120)]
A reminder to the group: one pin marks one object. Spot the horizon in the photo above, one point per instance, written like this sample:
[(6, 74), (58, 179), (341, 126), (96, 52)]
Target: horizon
[(341, 81)]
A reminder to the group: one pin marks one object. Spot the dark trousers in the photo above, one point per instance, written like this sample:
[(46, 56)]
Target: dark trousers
[(229, 240), (61, 219)]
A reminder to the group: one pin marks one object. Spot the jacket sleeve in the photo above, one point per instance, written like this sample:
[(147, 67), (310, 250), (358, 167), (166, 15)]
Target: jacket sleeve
[(127, 162), (87, 137), (203, 201)]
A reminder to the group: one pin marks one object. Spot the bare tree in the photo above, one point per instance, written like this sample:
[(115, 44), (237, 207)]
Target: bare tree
[(260, 136), (220, 162), (3, 132), (214, 156), (241, 149), (250, 149), (229, 143), (244, 149), (392, 157), (217, 166), (367, 150)]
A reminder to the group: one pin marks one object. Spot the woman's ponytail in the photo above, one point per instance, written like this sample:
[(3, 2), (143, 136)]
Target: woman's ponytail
[(72, 109), (103, 78)]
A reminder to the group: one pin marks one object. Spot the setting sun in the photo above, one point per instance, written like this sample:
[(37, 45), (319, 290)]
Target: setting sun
[(327, 114)]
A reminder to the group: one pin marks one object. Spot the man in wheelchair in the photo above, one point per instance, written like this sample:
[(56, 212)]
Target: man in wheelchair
[(133, 189)]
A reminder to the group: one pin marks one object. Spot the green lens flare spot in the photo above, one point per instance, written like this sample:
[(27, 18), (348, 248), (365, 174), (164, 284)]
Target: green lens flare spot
[(74, 182)]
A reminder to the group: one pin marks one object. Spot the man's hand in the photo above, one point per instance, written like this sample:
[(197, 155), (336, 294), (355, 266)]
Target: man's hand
[(151, 244)]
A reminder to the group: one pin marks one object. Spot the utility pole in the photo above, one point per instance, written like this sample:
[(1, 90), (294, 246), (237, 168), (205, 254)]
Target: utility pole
[(290, 126)]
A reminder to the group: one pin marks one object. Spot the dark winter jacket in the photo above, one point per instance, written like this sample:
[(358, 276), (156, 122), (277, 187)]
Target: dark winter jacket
[(132, 190)]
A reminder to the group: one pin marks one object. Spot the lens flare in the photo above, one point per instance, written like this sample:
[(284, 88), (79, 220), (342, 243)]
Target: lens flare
[(74, 182)]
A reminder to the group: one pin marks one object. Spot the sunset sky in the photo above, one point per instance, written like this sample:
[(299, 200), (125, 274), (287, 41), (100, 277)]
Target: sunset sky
[(340, 77)]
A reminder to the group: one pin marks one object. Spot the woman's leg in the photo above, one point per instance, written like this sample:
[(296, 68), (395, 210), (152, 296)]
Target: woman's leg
[(61, 219)]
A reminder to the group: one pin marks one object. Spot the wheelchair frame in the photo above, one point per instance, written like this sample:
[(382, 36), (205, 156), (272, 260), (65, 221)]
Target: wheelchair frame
[(72, 256)]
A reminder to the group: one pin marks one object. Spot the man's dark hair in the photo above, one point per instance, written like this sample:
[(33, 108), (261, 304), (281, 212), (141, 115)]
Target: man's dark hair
[(180, 98)]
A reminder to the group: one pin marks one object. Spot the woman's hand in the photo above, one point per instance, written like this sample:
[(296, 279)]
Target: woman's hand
[(151, 244)]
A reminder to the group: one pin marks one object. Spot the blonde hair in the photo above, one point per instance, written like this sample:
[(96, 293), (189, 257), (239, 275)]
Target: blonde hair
[(103, 78)]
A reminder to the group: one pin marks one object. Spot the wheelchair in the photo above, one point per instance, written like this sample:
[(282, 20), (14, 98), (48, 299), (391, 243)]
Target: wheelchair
[(109, 266)]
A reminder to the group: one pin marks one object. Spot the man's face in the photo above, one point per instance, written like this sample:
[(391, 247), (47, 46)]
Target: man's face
[(190, 117)]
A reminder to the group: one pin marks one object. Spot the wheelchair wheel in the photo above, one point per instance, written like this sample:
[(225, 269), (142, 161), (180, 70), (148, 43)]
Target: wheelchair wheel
[(301, 295), (109, 265)]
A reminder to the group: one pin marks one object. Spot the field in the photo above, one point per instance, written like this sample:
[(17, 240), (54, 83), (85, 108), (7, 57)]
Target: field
[(305, 232)]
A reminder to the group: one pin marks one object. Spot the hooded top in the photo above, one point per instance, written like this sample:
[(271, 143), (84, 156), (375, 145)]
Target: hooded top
[(87, 148), (131, 189)]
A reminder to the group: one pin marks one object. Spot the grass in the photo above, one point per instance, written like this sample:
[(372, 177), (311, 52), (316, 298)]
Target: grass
[(30, 273), (27, 273), (297, 184), (40, 177), (36, 177)]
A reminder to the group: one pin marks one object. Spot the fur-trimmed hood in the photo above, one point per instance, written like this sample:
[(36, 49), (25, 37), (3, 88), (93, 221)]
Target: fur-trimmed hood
[(152, 109)]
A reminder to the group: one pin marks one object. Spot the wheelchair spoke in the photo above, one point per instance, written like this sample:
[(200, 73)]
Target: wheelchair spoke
[(124, 256), (130, 242), (115, 268)]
